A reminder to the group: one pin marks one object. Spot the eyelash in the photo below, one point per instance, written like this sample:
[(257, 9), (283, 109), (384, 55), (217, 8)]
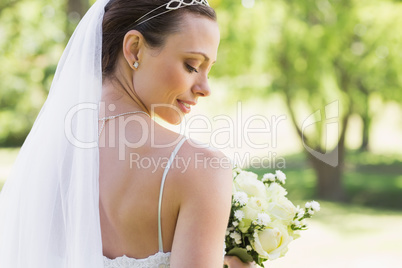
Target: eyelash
[(191, 69)]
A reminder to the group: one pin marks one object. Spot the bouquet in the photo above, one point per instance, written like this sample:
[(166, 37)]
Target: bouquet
[(263, 221)]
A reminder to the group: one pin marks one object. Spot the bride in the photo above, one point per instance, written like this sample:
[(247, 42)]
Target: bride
[(98, 183)]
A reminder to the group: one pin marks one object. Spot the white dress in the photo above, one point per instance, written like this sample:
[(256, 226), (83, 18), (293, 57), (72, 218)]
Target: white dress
[(160, 259)]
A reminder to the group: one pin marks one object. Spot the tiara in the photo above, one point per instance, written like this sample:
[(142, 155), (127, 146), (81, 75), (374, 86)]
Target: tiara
[(170, 6)]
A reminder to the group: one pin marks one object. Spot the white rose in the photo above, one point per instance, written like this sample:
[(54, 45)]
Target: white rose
[(254, 206), (282, 209), (248, 183), (275, 191), (271, 243)]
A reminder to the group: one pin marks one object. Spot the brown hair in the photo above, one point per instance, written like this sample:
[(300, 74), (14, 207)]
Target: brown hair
[(120, 17)]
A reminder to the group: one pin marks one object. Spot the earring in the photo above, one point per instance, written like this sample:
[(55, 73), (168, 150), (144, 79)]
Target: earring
[(136, 64)]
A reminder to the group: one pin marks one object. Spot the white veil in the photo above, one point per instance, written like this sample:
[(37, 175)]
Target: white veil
[(49, 206)]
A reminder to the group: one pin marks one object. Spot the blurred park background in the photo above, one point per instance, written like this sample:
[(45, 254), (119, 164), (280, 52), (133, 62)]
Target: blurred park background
[(333, 63)]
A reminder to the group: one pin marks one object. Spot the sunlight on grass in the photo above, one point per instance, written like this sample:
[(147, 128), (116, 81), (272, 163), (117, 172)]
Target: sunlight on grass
[(398, 182), (347, 236)]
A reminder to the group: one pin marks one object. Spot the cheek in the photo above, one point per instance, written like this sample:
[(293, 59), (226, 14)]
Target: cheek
[(173, 78), (161, 81)]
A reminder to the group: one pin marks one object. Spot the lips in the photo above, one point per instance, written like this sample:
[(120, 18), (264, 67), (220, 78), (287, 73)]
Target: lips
[(185, 106)]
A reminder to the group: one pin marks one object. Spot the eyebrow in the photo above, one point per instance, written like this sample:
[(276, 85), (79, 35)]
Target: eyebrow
[(202, 54)]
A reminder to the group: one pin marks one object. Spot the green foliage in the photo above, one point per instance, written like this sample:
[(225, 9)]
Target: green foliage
[(314, 52), (32, 39), (241, 253)]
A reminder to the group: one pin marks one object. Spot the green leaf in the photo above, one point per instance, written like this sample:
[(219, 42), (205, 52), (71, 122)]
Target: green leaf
[(241, 253)]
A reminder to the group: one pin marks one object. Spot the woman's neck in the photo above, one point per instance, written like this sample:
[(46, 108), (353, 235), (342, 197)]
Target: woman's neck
[(118, 96)]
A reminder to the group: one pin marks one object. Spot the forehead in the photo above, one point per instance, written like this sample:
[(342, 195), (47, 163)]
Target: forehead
[(197, 33)]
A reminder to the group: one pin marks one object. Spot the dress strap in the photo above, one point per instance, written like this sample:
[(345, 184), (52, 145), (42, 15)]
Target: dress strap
[(172, 156)]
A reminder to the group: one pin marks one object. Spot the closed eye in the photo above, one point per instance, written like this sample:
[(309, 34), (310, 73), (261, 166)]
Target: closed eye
[(190, 68)]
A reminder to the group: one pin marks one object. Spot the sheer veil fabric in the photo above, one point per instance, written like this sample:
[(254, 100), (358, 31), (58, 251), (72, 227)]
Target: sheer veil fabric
[(49, 214)]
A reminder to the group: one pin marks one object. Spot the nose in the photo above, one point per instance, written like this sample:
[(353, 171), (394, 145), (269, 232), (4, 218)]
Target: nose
[(202, 88)]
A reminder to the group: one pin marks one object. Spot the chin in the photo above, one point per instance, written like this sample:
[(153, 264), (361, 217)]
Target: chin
[(175, 121), (170, 115), (172, 120)]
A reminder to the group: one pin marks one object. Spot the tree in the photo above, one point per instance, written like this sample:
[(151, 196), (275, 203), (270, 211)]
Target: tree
[(318, 52), (31, 43), (324, 56)]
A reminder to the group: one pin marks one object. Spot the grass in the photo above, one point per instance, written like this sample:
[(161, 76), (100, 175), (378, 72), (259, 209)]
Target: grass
[(369, 180), (348, 236)]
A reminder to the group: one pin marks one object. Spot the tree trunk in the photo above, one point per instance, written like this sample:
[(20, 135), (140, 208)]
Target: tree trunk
[(365, 134), (329, 179), (365, 116)]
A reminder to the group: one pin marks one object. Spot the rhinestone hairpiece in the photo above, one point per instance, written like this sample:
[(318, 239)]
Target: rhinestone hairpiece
[(172, 5)]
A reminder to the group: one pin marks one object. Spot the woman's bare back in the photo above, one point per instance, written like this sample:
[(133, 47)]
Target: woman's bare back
[(195, 204), (129, 194)]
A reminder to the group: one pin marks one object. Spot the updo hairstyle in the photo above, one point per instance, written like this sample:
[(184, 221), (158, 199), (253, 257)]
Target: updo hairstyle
[(120, 17)]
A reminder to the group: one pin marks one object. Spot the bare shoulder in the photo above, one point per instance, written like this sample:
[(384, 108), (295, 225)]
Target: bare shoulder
[(205, 189), (204, 165), (206, 182)]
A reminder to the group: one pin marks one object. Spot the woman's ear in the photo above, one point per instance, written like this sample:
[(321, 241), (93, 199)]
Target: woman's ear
[(133, 46)]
